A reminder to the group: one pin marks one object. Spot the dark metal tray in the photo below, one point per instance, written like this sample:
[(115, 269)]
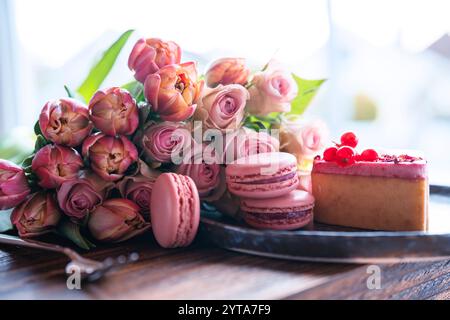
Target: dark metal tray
[(325, 243)]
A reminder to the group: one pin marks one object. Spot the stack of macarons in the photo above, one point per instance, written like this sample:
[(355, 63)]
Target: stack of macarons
[(267, 184)]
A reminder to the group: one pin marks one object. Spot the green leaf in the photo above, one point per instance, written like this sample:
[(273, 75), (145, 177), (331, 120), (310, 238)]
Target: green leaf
[(37, 128), (136, 89), (71, 231), (40, 143), (307, 89), (5, 221), (101, 70), (262, 122)]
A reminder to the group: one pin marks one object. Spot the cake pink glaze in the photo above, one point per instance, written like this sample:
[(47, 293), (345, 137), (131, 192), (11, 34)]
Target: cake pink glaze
[(388, 167), (175, 210), (288, 212), (266, 175)]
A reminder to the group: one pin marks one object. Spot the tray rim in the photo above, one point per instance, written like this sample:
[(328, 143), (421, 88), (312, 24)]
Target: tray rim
[(434, 189)]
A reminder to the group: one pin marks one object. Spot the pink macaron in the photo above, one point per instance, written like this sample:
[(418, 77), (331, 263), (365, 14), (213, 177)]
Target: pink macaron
[(175, 210), (288, 212), (264, 175)]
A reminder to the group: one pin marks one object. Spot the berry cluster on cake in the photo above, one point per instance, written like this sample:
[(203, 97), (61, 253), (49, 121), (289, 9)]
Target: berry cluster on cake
[(368, 190)]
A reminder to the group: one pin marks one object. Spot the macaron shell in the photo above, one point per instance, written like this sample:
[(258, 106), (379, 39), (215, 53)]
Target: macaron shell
[(281, 211), (175, 210), (263, 164), (262, 191)]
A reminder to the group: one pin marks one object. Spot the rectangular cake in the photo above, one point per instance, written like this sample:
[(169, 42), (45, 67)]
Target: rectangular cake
[(390, 193)]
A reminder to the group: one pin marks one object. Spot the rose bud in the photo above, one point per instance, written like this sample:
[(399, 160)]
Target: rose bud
[(163, 141), (272, 90), (39, 214), (304, 140), (65, 122), (114, 112), (138, 188), (227, 71), (222, 107), (110, 157), (245, 142), (77, 198), (207, 174), (173, 91), (116, 220), (54, 164), (13, 185), (150, 55)]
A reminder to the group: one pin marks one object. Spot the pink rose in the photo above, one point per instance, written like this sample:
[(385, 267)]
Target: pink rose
[(304, 140), (227, 71), (55, 164), (271, 90), (246, 142), (173, 91), (65, 122), (139, 188), (39, 214), (206, 172), (150, 55), (222, 107), (79, 197), (13, 185), (114, 112), (110, 157), (164, 141), (116, 220)]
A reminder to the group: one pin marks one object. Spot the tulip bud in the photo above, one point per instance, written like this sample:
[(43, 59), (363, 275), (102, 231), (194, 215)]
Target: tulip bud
[(227, 71), (81, 196), (173, 91), (110, 157), (39, 214), (116, 220), (65, 122), (13, 185), (54, 164), (114, 112), (150, 55)]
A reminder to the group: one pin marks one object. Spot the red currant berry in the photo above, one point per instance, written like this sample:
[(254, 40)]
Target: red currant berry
[(369, 155), (330, 154), (349, 139), (345, 156)]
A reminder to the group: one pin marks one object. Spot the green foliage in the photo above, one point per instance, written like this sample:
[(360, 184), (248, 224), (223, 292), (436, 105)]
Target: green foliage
[(5, 221), (71, 231), (307, 89), (103, 67)]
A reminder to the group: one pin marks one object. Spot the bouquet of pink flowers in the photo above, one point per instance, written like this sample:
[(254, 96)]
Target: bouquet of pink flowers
[(99, 151)]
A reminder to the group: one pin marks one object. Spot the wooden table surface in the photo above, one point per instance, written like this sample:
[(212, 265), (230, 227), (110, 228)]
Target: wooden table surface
[(205, 272)]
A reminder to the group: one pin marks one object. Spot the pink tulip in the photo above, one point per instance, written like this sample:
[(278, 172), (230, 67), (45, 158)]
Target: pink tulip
[(139, 188), (114, 112), (116, 220), (206, 172), (163, 141), (13, 185), (272, 90), (110, 157), (79, 197), (65, 122), (173, 91), (55, 164), (150, 55), (222, 107), (245, 142), (39, 214), (227, 71)]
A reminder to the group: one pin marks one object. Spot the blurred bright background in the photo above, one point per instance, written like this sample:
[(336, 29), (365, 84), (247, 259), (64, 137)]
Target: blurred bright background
[(388, 62)]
